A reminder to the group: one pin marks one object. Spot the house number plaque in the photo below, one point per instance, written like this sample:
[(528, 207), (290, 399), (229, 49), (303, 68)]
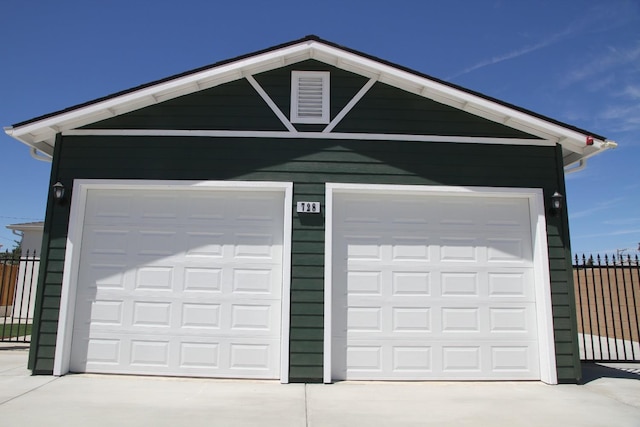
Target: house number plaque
[(308, 207)]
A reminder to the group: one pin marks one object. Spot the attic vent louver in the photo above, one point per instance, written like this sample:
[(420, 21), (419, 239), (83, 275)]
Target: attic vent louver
[(309, 97)]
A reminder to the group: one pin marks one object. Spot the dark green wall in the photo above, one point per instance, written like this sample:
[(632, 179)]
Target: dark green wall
[(237, 106), (309, 164)]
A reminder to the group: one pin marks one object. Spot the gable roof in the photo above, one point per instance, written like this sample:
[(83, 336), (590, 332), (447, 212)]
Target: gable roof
[(37, 225), (40, 132)]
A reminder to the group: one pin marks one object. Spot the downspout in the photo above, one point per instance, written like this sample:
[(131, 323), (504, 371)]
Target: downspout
[(34, 153), (581, 165), (606, 145)]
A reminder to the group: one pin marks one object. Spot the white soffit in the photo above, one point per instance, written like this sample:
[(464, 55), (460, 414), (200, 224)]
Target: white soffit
[(44, 130)]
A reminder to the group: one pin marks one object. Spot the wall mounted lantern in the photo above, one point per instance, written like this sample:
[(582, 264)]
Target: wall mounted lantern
[(58, 192), (556, 203)]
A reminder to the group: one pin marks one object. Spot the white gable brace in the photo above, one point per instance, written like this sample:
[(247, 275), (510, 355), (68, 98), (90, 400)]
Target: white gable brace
[(44, 130)]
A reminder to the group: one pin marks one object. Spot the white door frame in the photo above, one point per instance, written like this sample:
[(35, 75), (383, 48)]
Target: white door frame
[(542, 281), (74, 242)]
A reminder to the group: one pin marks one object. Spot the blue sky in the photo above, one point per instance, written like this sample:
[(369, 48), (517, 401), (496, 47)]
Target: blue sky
[(575, 61)]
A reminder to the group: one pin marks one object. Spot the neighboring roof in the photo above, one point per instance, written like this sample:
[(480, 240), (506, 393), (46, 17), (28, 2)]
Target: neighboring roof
[(39, 132), (24, 226)]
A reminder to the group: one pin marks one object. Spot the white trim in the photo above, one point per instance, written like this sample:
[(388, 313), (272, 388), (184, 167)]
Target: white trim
[(324, 77), (270, 103), (45, 129), (328, 287), (74, 241), (307, 135), (34, 153), (542, 281), (440, 92), (285, 312), (546, 344), (166, 90), (337, 119)]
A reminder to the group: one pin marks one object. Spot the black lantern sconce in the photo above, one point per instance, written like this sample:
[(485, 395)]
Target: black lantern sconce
[(556, 203), (58, 192)]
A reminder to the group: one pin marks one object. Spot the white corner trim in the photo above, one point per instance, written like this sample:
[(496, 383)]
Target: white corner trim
[(307, 135), (270, 103), (285, 298), (358, 96), (74, 242), (64, 336), (328, 284), (542, 281)]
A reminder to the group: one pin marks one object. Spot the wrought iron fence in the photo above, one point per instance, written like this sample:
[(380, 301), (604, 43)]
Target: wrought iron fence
[(608, 307), (18, 279)]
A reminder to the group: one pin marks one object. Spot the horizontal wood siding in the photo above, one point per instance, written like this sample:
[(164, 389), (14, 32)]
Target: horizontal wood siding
[(237, 106), (309, 164), (386, 109), (231, 106)]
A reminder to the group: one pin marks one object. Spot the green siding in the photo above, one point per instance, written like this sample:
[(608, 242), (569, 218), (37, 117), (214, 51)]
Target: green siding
[(237, 106), (309, 164), (386, 109)]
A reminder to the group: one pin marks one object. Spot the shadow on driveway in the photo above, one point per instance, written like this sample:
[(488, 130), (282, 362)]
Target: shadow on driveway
[(595, 371)]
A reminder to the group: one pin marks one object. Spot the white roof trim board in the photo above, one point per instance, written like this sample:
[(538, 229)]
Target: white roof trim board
[(40, 133)]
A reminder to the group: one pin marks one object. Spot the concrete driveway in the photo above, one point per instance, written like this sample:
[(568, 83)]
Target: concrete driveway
[(610, 397)]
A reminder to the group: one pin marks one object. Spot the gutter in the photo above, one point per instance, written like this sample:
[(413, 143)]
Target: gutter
[(606, 145), (33, 151)]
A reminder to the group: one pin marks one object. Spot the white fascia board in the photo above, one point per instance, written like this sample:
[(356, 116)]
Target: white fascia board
[(45, 146), (26, 227), (397, 77), (587, 152), (46, 128), (163, 91)]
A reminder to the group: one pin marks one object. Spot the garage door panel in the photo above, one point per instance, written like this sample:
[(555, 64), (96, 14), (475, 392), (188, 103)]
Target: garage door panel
[(108, 241), (201, 317), (411, 283), (168, 291), (227, 356), (455, 360), (204, 244), (500, 284), (444, 294), (201, 278)]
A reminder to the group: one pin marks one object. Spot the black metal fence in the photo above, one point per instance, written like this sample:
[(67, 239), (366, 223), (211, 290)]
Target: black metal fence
[(18, 279), (608, 307)]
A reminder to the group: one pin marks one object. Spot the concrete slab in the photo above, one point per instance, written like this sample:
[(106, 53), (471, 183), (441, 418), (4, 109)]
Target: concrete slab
[(15, 378), (77, 400), (610, 396), (620, 381), (464, 404)]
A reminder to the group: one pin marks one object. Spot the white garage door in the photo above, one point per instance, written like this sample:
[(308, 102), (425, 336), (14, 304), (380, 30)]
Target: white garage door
[(433, 287), (180, 282)]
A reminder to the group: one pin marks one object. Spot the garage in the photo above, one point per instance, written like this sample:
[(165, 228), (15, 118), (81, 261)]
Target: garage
[(179, 279), (436, 284)]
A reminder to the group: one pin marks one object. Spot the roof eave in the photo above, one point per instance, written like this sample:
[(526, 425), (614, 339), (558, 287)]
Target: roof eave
[(40, 133)]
